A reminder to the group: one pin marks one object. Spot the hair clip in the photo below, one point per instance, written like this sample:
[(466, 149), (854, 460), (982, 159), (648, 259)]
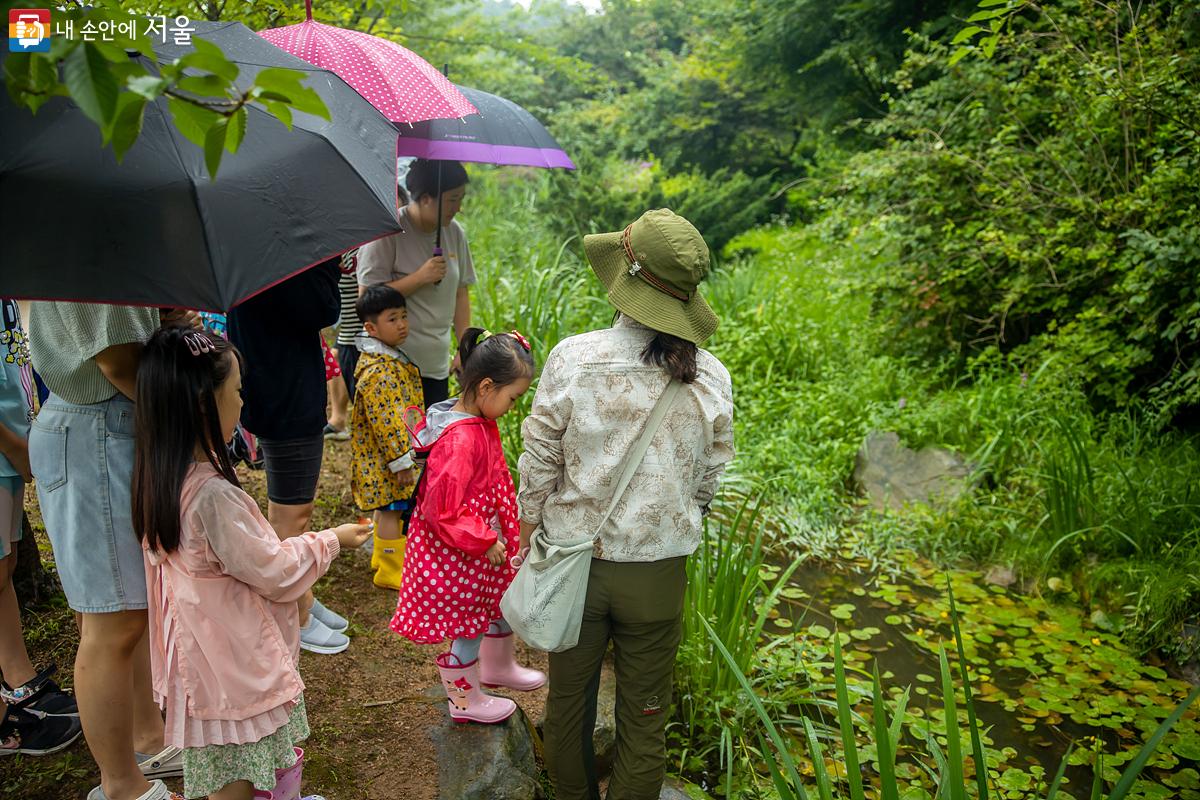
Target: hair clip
[(520, 340), (198, 343), (483, 337)]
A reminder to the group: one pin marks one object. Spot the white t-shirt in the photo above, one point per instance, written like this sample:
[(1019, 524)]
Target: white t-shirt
[(430, 308)]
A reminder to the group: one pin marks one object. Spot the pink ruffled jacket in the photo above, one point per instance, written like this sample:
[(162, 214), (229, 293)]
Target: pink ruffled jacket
[(224, 629)]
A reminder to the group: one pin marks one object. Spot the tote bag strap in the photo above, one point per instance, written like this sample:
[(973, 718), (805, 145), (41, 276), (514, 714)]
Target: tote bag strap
[(634, 459)]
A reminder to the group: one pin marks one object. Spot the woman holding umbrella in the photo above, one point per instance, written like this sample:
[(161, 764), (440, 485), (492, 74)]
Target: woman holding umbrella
[(434, 280)]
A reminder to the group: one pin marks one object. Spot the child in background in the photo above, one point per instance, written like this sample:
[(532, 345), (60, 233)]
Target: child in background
[(464, 532), (222, 587), (386, 383)]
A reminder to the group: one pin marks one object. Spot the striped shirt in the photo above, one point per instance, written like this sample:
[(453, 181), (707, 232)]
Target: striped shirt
[(348, 324), (65, 338)]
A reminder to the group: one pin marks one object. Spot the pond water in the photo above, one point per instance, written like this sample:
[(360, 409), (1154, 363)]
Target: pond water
[(1044, 676)]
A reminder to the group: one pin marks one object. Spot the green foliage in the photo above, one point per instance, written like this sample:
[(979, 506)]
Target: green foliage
[(1043, 201)]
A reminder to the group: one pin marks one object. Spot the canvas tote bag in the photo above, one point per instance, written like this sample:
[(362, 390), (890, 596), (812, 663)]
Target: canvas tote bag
[(544, 603)]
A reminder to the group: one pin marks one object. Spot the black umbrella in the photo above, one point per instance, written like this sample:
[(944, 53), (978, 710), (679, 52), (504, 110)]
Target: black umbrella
[(155, 230), (501, 133)]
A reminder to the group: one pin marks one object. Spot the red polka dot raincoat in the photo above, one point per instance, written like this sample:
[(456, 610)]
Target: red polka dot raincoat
[(449, 589)]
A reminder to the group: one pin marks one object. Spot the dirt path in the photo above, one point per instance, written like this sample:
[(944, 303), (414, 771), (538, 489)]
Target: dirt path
[(369, 715)]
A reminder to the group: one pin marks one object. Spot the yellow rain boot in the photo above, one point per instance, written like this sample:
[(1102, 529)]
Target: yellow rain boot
[(375, 548), (390, 553)]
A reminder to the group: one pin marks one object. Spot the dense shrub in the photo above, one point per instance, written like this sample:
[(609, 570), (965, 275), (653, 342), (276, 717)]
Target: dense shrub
[(1046, 200)]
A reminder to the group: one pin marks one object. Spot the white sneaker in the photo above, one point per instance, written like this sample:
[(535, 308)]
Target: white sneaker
[(333, 621), (316, 637), (166, 764), (157, 791)]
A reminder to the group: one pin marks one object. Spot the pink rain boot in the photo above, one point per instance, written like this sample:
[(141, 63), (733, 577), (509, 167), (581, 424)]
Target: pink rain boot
[(498, 665), (468, 702), (287, 781)]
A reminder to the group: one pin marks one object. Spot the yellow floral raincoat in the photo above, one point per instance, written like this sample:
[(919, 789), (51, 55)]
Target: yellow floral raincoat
[(386, 383)]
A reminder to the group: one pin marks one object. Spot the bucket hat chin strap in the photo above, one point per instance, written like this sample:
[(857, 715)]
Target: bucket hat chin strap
[(638, 270)]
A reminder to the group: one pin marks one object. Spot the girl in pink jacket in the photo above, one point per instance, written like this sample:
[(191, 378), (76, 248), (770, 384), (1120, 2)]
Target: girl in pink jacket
[(222, 588), (464, 532)]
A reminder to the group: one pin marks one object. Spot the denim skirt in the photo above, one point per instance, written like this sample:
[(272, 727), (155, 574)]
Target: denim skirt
[(82, 461)]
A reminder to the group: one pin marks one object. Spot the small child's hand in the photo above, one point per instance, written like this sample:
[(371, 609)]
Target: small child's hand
[(496, 554), (353, 534)]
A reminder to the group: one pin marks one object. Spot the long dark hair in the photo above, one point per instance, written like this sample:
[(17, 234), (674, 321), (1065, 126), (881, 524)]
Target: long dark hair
[(503, 358), (176, 409), (677, 356)]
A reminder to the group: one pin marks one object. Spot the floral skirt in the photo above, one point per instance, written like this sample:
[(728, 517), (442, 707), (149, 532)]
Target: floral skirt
[(207, 769)]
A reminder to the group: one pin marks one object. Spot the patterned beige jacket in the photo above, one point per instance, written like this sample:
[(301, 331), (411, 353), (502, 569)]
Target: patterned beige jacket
[(592, 401)]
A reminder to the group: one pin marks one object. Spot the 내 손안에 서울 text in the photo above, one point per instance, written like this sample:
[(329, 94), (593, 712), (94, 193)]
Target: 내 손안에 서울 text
[(30, 29)]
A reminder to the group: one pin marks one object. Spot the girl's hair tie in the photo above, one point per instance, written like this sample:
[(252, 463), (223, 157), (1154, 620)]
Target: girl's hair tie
[(521, 340), (484, 336), (198, 343)]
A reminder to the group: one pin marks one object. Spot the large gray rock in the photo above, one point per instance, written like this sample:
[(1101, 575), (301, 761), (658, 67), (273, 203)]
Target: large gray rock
[(676, 789), (893, 476), (485, 762)]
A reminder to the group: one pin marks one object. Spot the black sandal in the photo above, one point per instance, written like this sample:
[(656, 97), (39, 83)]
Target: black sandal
[(40, 696)]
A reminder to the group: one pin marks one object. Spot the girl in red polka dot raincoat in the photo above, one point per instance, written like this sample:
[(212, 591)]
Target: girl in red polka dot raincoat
[(464, 532)]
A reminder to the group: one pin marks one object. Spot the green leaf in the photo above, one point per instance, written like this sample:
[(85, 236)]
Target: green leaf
[(276, 79), (209, 58), (959, 54), (127, 123), (980, 16), (966, 33), (91, 84), (283, 85), (280, 111), (824, 788), (989, 45), (214, 145), (237, 131), (954, 758), (846, 723), (205, 85), (148, 86), (994, 3), (192, 121), (1052, 793), (883, 743), (308, 101), (977, 750)]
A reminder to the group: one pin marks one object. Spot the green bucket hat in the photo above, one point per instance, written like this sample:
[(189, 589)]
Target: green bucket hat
[(651, 270)]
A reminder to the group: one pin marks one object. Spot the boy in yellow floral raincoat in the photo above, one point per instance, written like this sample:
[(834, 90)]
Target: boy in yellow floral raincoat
[(382, 476)]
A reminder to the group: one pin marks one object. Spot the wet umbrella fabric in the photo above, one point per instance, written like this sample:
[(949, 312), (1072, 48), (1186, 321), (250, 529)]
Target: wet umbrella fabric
[(402, 85), (501, 133), (155, 230)]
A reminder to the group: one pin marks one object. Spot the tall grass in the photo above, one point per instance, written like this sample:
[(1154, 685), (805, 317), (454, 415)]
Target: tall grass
[(727, 591)]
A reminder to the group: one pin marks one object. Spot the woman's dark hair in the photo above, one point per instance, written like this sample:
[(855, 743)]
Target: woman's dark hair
[(422, 177), (376, 299), (501, 357), (177, 379), (677, 356)]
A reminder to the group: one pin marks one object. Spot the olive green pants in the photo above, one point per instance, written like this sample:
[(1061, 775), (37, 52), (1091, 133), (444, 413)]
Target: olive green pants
[(638, 607)]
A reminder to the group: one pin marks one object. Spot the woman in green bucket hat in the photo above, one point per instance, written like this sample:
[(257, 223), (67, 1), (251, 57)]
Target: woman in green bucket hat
[(595, 398)]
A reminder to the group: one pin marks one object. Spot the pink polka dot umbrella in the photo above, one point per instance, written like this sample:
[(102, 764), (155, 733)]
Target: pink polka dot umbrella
[(397, 81)]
